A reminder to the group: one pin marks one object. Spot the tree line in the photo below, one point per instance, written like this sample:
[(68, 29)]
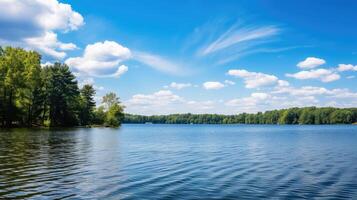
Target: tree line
[(31, 95), (306, 115)]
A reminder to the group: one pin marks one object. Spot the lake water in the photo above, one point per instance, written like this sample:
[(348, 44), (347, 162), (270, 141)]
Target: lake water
[(180, 162)]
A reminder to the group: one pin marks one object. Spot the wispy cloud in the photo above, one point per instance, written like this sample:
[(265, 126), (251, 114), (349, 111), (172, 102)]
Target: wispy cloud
[(248, 50), (239, 36), (159, 63)]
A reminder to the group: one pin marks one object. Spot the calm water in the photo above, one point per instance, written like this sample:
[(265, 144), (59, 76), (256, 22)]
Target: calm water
[(180, 162)]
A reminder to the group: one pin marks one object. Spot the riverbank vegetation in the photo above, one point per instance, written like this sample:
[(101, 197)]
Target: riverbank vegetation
[(31, 95), (307, 115)]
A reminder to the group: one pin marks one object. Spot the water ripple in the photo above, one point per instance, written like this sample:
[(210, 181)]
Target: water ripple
[(180, 162)]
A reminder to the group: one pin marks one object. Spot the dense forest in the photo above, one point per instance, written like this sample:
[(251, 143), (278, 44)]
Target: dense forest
[(307, 115), (31, 95)]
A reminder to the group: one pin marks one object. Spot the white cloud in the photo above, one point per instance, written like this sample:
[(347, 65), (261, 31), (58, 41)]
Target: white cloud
[(316, 91), (283, 83), (100, 59), (235, 36), (120, 71), (228, 82), (162, 97), (157, 62), (213, 85), (303, 91), (252, 100), (166, 102), (324, 75), (32, 25), (350, 77), (254, 79), (311, 62), (201, 105), (49, 44), (346, 67), (285, 97), (179, 86)]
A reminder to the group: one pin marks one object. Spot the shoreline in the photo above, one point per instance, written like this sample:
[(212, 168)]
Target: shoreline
[(97, 126)]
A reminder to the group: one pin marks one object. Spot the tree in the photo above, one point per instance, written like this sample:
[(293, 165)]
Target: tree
[(109, 100), (20, 78), (31, 95), (99, 116), (341, 117), (114, 115), (62, 96), (87, 104), (307, 116), (289, 116), (114, 111)]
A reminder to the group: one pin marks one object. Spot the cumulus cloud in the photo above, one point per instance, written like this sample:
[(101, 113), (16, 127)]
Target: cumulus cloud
[(162, 97), (287, 96), (324, 75), (303, 91), (283, 83), (252, 100), (179, 86), (166, 102), (100, 59), (346, 67), (213, 85), (33, 25), (254, 79), (311, 62), (316, 91)]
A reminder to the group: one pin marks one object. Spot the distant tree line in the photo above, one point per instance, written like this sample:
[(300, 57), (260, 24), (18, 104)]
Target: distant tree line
[(307, 115), (31, 95)]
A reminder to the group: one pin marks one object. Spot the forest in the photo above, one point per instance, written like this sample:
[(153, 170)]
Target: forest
[(307, 115), (49, 96)]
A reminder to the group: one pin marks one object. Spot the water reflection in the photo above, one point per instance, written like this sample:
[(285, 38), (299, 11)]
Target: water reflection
[(180, 162), (40, 163)]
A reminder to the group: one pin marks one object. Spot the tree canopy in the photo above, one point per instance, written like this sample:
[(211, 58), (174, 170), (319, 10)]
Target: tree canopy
[(31, 95), (307, 115)]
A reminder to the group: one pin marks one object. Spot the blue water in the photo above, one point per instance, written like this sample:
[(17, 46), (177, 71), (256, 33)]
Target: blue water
[(180, 162)]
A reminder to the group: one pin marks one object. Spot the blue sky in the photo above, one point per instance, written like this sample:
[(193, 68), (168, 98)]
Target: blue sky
[(207, 56)]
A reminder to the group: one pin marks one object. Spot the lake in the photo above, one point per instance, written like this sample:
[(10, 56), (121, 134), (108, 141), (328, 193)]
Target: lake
[(180, 162)]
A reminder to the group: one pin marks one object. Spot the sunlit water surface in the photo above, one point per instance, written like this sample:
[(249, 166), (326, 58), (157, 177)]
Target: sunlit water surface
[(180, 162)]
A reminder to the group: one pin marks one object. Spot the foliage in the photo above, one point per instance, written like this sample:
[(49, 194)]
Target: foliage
[(307, 115), (114, 114), (48, 96), (87, 104)]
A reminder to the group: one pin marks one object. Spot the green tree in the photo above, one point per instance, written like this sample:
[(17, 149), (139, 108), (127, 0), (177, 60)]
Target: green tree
[(20, 78), (62, 96), (341, 117), (87, 105), (289, 116), (114, 111), (307, 116)]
